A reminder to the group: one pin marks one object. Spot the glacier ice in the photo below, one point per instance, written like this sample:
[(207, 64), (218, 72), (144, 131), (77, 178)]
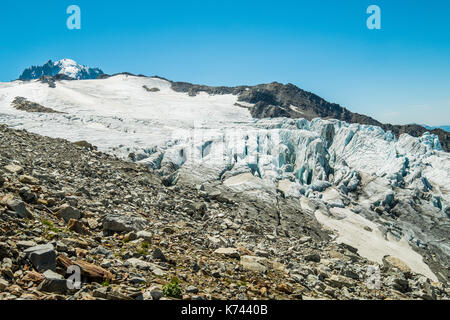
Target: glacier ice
[(208, 139), (212, 134)]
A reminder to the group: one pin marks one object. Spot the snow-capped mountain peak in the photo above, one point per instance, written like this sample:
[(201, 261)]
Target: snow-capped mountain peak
[(70, 67), (66, 67)]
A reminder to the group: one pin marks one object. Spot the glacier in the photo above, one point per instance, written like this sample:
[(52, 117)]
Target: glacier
[(350, 176)]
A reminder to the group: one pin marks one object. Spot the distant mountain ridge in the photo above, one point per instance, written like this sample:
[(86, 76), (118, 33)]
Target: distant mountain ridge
[(287, 100), (445, 128), (66, 68), (268, 100)]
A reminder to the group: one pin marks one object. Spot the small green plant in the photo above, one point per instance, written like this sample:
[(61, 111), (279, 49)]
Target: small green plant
[(145, 245), (47, 223), (142, 252), (173, 289), (105, 283), (50, 226), (56, 230)]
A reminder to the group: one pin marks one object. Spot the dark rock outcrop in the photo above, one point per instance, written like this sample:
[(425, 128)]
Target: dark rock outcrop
[(23, 104)]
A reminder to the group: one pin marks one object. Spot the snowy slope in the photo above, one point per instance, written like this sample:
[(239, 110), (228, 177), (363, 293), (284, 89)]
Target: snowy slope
[(207, 138)]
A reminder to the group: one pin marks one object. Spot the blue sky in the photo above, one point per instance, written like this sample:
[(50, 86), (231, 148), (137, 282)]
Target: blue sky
[(399, 74)]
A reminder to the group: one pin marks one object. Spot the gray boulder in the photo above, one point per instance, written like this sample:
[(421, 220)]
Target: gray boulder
[(43, 257), (53, 282), (18, 206), (147, 236), (159, 255), (123, 223), (67, 212), (14, 169)]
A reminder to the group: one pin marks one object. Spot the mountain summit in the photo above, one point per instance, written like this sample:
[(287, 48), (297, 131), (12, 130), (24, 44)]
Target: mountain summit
[(65, 67)]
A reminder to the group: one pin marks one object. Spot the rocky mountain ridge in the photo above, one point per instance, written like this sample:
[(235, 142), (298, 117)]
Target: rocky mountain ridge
[(278, 100), (269, 100), (65, 69)]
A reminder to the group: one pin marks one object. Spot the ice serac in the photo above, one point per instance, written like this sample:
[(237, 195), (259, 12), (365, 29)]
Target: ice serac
[(66, 67), (356, 179)]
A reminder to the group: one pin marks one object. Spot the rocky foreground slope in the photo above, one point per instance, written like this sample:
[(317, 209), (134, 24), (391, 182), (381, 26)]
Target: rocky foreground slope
[(64, 204)]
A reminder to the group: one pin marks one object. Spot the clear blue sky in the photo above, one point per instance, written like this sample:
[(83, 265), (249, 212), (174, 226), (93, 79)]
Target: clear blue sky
[(400, 74)]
